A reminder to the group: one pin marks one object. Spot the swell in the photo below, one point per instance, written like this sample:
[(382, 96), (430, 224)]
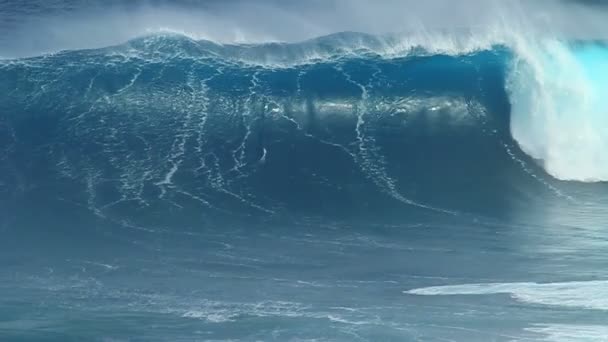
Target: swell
[(165, 124)]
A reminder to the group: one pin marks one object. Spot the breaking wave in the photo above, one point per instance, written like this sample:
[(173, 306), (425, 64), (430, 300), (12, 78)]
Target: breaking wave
[(327, 125)]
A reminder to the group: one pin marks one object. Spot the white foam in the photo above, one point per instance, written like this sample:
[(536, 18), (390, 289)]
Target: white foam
[(578, 294), (210, 316), (568, 332), (559, 109)]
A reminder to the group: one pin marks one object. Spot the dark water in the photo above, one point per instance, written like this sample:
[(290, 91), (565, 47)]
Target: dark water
[(177, 190)]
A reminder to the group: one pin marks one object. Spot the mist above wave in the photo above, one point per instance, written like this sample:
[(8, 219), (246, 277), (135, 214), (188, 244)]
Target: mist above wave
[(429, 23)]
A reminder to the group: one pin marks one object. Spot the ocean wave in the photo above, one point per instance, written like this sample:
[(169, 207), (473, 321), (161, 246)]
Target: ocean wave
[(171, 119)]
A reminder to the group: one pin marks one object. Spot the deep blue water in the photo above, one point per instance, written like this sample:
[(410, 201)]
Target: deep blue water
[(175, 189)]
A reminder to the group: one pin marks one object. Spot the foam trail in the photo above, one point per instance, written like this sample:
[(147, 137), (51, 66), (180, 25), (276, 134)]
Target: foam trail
[(567, 332), (578, 294)]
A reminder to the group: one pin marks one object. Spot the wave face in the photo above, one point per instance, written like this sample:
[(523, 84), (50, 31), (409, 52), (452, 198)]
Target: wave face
[(322, 127)]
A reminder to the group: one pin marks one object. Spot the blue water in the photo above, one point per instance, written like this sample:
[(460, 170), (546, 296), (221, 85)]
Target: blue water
[(175, 189)]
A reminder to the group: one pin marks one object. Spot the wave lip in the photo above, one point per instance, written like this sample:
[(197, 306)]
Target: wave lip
[(331, 47)]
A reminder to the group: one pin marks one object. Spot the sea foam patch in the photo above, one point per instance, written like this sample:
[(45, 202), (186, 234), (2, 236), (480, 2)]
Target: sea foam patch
[(579, 294), (568, 332)]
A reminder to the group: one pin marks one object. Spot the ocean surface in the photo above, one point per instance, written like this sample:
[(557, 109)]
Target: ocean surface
[(347, 187)]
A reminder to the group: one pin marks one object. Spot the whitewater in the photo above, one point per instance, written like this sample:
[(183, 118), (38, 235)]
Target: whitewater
[(189, 171)]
